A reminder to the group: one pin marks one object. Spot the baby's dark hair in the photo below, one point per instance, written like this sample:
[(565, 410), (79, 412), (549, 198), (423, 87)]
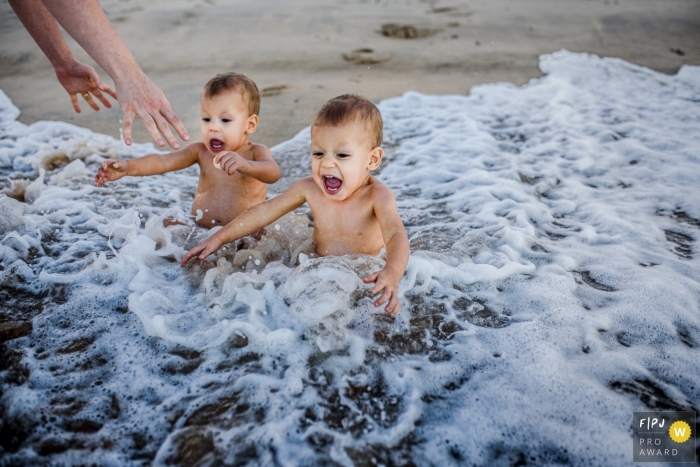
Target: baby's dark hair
[(351, 107), (225, 82)]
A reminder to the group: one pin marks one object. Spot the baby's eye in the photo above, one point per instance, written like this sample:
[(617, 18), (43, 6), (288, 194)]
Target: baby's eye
[(206, 119), (225, 120), (342, 155), (317, 154)]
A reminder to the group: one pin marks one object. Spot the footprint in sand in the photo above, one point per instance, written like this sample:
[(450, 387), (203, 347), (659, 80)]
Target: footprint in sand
[(272, 90), (366, 57), (406, 31)]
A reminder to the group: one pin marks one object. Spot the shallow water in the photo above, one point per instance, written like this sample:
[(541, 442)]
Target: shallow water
[(553, 288)]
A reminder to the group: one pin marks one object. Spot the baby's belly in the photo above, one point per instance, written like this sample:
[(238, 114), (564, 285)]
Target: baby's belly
[(210, 210), (349, 246)]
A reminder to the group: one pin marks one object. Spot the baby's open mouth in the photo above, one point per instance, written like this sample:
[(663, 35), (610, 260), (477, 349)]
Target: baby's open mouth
[(332, 184), (216, 145)]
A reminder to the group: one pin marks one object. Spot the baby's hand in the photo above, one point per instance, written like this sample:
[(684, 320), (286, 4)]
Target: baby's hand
[(230, 162), (388, 287), (204, 249), (110, 171)]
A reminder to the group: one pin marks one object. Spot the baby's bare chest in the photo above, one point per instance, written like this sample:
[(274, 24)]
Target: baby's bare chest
[(351, 220)]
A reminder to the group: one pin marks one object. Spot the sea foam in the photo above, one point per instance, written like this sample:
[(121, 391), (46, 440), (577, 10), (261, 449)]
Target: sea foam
[(553, 288)]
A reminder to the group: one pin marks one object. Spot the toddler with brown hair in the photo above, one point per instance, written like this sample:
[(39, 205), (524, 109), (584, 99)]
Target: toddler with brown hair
[(234, 172)]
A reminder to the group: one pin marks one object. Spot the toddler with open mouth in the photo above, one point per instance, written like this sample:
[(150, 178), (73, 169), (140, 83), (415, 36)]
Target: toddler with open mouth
[(234, 172), (354, 213)]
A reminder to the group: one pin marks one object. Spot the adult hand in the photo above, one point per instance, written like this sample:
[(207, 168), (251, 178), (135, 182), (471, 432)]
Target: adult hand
[(79, 78), (138, 96)]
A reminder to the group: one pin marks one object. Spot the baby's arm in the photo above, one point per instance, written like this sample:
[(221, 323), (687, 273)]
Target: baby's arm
[(251, 220), (263, 167), (396, 241), (151, 164)]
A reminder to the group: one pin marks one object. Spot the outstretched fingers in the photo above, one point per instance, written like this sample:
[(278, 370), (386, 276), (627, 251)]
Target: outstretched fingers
[(192, 253), (74, 101), (98, 94), (128, 115), (91, 103), (164, 128), (176, 123), (151, 127)]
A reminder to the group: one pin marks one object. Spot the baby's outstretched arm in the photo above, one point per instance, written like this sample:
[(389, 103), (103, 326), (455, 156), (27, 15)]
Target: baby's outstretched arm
[(386, 281), (151, 164), (251, 220), (263, 167)]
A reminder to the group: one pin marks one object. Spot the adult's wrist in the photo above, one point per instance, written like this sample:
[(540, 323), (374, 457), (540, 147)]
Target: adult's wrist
[(63, 64)]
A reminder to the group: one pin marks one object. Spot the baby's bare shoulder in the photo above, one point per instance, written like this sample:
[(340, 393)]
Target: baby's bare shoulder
[(196, 148), (380, 193), (260, 152), (306, 184)]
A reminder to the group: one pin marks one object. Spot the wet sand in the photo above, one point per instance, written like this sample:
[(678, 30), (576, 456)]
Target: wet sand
[(304, 52)]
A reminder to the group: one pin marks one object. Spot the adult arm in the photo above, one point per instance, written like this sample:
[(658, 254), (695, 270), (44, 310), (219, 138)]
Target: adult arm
[(252, 219), (76, 77), (138, 96)]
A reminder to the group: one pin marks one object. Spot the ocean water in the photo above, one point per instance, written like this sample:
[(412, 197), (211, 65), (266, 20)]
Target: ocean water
[(553, 288)]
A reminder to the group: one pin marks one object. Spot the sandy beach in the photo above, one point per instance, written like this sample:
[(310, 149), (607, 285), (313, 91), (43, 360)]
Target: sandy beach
[(301, 53)]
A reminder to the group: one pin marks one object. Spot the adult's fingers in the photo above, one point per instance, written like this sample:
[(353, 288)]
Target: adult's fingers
[(151, 128), (97, 93), (175, 121), (94, 77), (127, 124), (108, 90), (164, 128), (74, 101), (91, 103)]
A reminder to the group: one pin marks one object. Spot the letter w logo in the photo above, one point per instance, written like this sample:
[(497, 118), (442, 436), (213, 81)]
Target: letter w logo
[(679, 432)]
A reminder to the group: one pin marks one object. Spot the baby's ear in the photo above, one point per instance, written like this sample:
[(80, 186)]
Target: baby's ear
[(375, 157), (252, 124)]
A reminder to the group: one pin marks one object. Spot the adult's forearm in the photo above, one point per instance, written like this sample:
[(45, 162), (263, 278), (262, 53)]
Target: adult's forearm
[(44, 30), (87, 23)]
